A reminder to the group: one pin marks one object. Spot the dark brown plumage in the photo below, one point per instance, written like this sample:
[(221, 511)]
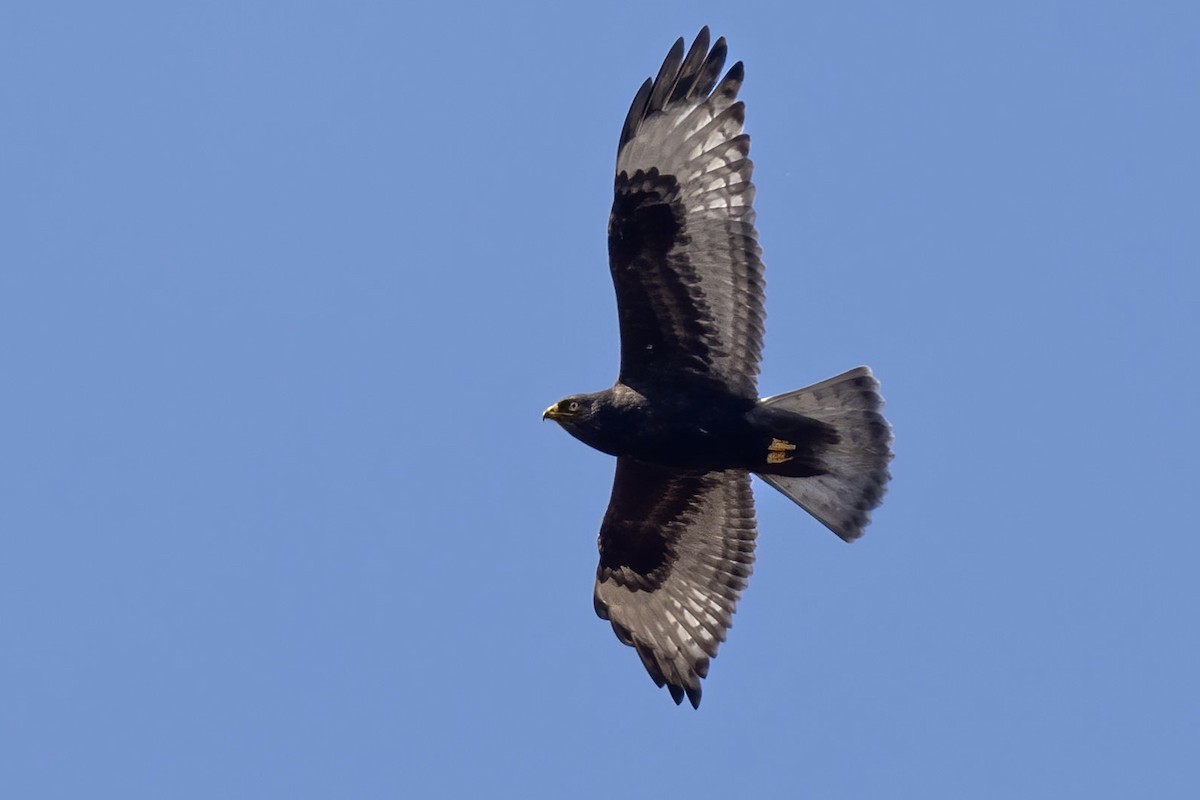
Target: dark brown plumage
[(684, 418)]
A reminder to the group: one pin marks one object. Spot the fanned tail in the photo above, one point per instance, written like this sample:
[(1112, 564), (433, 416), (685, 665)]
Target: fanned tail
[(855, 468)]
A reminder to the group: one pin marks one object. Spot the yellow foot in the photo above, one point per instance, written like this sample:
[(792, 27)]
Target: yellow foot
[(777, 451)]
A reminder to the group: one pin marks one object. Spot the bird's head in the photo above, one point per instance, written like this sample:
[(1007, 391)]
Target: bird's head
[(571, 411), (593, 419)]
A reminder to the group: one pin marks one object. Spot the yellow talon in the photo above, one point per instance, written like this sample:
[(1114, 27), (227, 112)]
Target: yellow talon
[(780, 446), (776, 457)]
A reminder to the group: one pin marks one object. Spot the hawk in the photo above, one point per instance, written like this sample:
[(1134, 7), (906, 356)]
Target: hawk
[(684, 419)]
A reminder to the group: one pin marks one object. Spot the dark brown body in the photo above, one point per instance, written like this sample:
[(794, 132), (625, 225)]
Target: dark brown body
[(705, 430)]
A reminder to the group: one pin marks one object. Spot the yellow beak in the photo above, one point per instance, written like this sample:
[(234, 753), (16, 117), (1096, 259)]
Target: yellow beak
[(550, 413)]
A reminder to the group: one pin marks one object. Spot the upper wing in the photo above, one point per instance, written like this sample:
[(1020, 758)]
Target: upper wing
[(682, 247), (675, 552)]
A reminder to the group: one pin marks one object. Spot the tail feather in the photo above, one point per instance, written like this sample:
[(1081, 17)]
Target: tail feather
[(856, 467)]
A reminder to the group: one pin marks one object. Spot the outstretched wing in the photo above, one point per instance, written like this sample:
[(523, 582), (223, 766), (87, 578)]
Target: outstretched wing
[(682, 247), (676, 549)]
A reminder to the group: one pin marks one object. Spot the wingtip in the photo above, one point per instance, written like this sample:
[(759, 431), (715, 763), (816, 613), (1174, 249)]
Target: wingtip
[(678, 692), (737, 72), (675, 54)]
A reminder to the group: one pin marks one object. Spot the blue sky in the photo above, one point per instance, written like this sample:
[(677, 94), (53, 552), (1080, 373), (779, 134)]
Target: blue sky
[(284, 288)]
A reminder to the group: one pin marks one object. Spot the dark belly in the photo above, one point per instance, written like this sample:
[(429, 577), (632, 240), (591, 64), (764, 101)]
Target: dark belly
[(707, 444), (760, 440)]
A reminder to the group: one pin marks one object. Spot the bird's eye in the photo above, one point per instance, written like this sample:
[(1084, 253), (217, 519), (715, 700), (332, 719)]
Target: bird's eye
[(573, 406)]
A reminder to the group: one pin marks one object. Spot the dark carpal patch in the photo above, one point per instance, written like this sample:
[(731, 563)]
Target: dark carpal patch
[(665, 318), (646, 218), (640, 555)]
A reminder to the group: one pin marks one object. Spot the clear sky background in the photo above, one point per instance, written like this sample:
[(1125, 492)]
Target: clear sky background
[(285, 287)]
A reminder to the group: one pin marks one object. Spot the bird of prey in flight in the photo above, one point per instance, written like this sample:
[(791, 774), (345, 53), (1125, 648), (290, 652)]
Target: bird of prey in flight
[(684, 419)]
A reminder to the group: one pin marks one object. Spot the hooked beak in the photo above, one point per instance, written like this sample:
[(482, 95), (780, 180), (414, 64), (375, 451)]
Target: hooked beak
[(550, 413)]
